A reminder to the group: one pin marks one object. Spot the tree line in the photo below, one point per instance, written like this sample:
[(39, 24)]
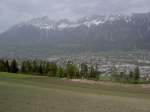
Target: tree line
[(69, 70), (131, 77), (51, 69)]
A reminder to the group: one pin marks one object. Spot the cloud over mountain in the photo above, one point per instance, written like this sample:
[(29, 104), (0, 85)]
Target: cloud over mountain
[(14, 11)]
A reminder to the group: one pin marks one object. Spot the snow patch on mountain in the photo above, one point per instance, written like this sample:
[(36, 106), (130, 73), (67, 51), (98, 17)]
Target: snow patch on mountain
[(48, 24), (63, 25)]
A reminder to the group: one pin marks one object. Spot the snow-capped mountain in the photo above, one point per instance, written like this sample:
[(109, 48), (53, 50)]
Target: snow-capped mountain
[(42, 23), (48, 24), (98, 20), (95, 33)]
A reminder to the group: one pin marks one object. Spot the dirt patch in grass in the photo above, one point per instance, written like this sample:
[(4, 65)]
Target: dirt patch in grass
[(144, 88)]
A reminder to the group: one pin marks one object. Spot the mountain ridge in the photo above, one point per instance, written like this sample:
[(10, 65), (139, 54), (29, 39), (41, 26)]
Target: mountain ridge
[(95, 33)]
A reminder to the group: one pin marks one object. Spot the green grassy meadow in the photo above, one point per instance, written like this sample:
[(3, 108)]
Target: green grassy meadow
[(27, 93)]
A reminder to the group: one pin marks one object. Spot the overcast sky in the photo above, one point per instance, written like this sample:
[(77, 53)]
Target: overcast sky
[(15, 11)]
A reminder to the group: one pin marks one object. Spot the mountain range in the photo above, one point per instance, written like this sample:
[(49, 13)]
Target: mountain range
[(95, 33)]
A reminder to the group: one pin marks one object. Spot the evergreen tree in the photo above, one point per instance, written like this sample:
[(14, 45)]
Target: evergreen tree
[(92, 74), (7, 66), (40, 69), (35, 67), (29, 66), (122, 77), (115, 75), (97, 73), (84, 70), (71, 70), (52, 70), (136, 74), (131, 76), (2, 65), (60, 72), (23, 67), (14, 66), (47, 68)]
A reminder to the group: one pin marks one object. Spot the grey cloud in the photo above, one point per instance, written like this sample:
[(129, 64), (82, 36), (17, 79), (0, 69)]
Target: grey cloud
[(14, 11)]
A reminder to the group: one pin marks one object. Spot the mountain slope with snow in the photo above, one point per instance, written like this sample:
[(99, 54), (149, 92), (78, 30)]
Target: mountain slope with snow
[(48, 24), (94, 33)]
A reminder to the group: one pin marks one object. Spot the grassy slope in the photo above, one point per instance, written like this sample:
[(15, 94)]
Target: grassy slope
[(27, 93)]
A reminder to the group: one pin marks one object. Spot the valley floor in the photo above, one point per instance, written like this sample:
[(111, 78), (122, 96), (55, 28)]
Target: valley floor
[(25, 93)]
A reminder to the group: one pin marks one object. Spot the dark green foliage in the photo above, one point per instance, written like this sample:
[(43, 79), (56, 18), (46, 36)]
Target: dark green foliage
[(60, 72), (37, 67), (1, 65), (40, 69), (7, 66), (71, 70), (14, 66), (4, 66), (52, 69), (24, 67), (131, 77), (93, 73), (115, 75), (136, 74), (84, 70)]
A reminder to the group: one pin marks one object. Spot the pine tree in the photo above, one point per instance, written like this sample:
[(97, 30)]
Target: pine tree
[(2, 65), (29, 66), (14, 66), (47, 68), (136, 74), (23, 67), (52, 70), (7, 66), (40, 69), (115, 75), (71, 70), (35, 67), (60, 72), (92, 72), (84, 70), (131, 76)]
